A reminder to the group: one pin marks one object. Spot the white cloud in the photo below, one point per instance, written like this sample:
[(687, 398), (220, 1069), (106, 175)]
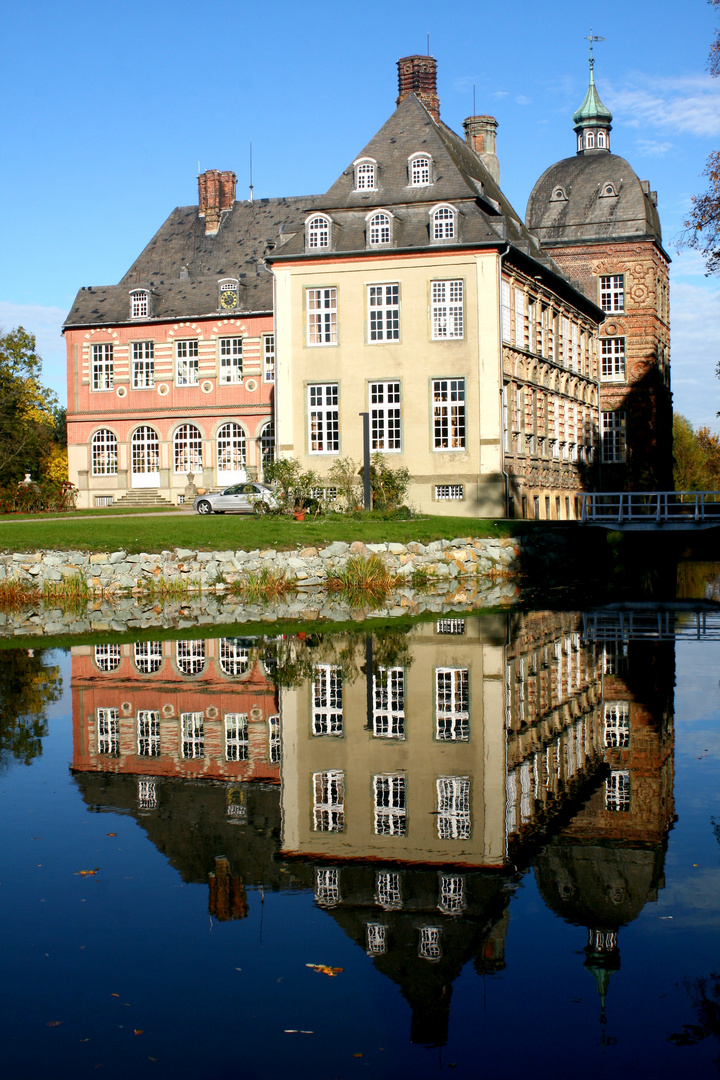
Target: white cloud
[(652, 148), (500, 93), (521, 99), (689, 104), (46, 324), (695, 346)]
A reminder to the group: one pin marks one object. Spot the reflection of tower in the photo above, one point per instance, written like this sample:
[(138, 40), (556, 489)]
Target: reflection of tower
[(602, 958), (228, 899)]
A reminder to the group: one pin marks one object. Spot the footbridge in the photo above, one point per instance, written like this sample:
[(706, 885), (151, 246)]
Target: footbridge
[(679, 620), (650, 511)]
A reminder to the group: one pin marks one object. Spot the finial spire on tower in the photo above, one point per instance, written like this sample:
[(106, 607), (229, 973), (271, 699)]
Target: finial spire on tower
[(593, 122)]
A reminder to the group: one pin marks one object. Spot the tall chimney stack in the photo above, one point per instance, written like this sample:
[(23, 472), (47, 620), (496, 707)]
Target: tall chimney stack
[(418, 75), (216, 192), (480, 134)]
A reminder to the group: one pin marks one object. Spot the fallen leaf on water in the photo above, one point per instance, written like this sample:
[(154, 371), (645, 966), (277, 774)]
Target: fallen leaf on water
[(53, 1023), (357, 1055), (114, 995), (325, 970), (112, 834), (84, 1040), (290, 1031), (138, 1031), (152, 1059), (85, 873)]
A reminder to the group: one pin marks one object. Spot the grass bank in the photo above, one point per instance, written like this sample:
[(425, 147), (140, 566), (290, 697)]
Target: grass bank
[(234, 532)]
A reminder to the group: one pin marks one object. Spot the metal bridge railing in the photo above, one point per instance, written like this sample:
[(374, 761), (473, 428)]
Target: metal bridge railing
[(648, 507)]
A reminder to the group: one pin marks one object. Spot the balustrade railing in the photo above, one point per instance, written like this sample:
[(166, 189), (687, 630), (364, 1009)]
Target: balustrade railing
[(650, 507)]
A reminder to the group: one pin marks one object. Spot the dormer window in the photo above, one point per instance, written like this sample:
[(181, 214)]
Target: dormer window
[(608, 190), (318, 231), (419, 170), (365, 175), (139, 304), (228, 295), (559, 195), (379, 228), (443, 222)]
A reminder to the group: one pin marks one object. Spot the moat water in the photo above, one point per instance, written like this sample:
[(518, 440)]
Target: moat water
[(489, 845)]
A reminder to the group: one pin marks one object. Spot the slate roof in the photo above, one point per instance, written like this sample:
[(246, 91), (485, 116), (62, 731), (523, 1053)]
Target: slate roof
[(246, 233), (485, 217), (586, 214)]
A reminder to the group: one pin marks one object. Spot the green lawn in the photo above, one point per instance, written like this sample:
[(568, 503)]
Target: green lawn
[(233, 532)]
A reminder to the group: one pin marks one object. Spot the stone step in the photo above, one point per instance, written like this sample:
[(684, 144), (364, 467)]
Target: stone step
[(142, 498)]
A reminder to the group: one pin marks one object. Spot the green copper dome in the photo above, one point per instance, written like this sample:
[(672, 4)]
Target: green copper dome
[(592, 112)]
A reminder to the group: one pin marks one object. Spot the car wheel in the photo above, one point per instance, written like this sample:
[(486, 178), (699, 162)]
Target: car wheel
[(204, 507)]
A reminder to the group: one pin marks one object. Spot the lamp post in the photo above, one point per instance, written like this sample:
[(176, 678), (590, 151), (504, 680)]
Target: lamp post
[(367, 491)]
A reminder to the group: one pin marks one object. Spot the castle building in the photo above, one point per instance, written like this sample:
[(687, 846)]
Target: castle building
[(601, 226)]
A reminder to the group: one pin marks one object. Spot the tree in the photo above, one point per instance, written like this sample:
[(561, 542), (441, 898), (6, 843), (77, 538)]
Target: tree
[(696, 457), (28, 686), (702, 227), (32, 425)]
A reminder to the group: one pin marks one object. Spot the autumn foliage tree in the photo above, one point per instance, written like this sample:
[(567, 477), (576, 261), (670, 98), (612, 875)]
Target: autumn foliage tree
[(696, 456), (702, 227)]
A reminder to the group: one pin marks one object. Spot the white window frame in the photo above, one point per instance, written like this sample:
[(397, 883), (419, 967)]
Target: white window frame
[(451, 898), (388, 692), (104, 453), (449, 492), (379, 225), (375, 939), (327, 886), (192, 735), (443, 222), (236, 736), (390, 804), (385, 417), (365, 174), (147, 794), (187, 362), (231, 448), (322, 316), (612, 293), (612, 359), (143, 365), (190, 656), (453, 807), (318, 232), (617, 724), (420, 168), (274, 739), (328, 790), (234, 658), (614, 436), (267, 442), (447, 310), (452, 704), (449, 425), (148, 656), (268, 345), (383, 307), (230, 360), (327, 699), (601, 142), (108, 732), (429, 943), (187, 450), (323, 418), (617, 791), (139, 304), (505, 310), (103, 366), (148, 733), (388, 894), (107, 657)]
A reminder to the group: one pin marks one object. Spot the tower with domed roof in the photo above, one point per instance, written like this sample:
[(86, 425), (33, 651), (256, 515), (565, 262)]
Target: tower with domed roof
[(600, 224)]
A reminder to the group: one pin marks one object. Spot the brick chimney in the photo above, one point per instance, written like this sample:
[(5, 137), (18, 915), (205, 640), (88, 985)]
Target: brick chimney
[(418, 75), (216, 192), (480, 133)]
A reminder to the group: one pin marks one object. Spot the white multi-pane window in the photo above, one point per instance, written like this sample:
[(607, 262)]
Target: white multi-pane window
[(452, 893), (452, 704), (379, 229), (383, 312), (145, 451), (190, 656), (390, 805), (327, 887), (187, 449), (102, 367), (449, 492), (443, 223), (192, 728), (107, 657), (505, 306), (575, 359), (453, 807), (236, 736), (143, 365), (365, 176), (612, 292), (615, 659), (612, 359), (429, 943), (269, 357), (234, 656), (617, 724), (267, 442), (448, 414), (519, 319), (148, 733), (384, 416), (318, 232), (327, 700), (274, 743), (566, 358), (147, 794), (419, 169), (450, 626), (329, 801), (322, 316), (186, 363), (617, 791), (231, 357), (108, 731), (614, 436), (387, 890), (446, 310), (231, 449), (375, 939), (148, 656), (104, 453), (323, 418), (389, 703), (139, 306)]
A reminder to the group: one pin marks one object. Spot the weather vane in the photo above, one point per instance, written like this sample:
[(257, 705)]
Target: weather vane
[(593, 37)]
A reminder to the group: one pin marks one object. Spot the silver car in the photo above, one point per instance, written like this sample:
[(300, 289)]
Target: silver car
[(242, 497)]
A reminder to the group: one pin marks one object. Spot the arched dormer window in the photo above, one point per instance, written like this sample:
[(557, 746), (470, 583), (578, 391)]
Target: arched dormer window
[(420, 170), (139, 304), (601, 140), (379, 228), (608, 191), (366, 174), (589, 140), (317, 231), (443, 221), (559, 195)]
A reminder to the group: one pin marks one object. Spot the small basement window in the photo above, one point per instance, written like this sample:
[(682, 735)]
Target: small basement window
[(449, 491), (103, 500)]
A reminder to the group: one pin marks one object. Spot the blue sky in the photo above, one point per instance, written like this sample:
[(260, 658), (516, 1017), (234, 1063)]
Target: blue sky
[(109, 108)]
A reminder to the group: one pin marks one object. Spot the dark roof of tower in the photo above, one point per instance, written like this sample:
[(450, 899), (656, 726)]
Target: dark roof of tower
[(181, 266)]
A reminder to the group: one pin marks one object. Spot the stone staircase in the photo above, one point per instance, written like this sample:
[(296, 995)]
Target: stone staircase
[(142, 498)]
